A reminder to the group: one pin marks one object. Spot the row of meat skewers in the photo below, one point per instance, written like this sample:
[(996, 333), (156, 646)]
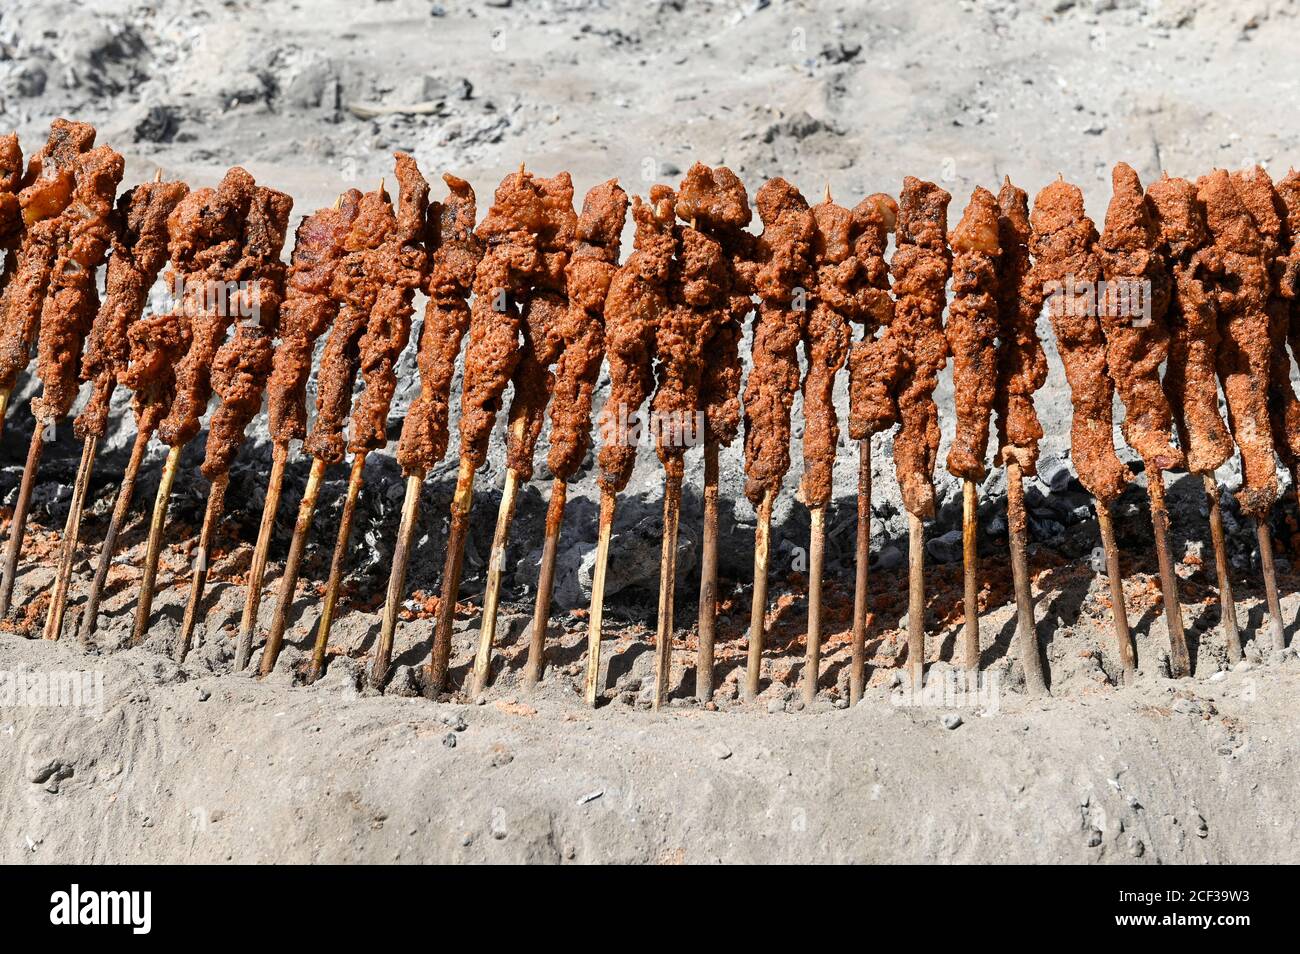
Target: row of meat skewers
[(538, 289)]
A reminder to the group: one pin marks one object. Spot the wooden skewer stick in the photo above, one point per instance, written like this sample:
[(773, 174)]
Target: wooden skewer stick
[(289, 580), (1180, 664), (1026, 630), (816, 562), (4, 406), (597, 614), (708, 611), (492, 593), (396, 591), (1227, 606), (758, 605), (257, 571), (199, 574), (1119, 613), (1265, 540), (916, 601), (461, 504), (862, 556), (545, 583), (339, 562), (970, 573), (667, 586), (144, 604), (125, 494), (18, 525), (71, 534)]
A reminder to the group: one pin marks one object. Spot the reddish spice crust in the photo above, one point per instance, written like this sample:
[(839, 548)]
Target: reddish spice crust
[(454, 254), (139, 252), (582, 327), (972, 331), (921, 266), (355, 288), (523, 251), (636, 303), (875, 360), (1068, 265), (545, 307), (11, 212), (308, 312), (243, 364), (715, 202), (1237, 278), (207, 240), (397, 268), (786, 271), (1190, 382), (1137, 344), (46, 191), (1022, 365), (83, 235)]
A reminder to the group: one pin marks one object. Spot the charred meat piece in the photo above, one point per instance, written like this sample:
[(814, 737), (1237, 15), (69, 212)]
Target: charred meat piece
[(972, 331), (11, 180), (921, 266), (207, 243), (637, 301), (454, 254), (1022, 365), (1238, 280), (1190, 383), (308, 312), (397, 266), (1133, 319), (46, 191), (787, 270), (243, 364), (1068, 264), (139, 253), (83, 234), (591, 271)]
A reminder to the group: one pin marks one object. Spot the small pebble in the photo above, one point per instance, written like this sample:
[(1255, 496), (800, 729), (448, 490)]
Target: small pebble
[(951, 720)]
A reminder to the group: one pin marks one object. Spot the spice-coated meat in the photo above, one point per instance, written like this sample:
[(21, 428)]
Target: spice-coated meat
[(11, 178), (1265, 206), (47, 189), (308, 311), (636, 302), (139, 253), (1237, 278), (921, 266), (84, 233), (1022, 365), (715, 202), (398, 266), (582, 327), (454, 254), (1190, 382), (698, 307), (356, 289), (1068, 264), (522, 253), (876, 361), (207, 242), (786, 272), (243, 364), (972, 331), (545, 308), (1133, 319)]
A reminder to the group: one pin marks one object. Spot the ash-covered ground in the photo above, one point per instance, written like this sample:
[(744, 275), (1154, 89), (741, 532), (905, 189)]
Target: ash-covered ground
[(313, 98)]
